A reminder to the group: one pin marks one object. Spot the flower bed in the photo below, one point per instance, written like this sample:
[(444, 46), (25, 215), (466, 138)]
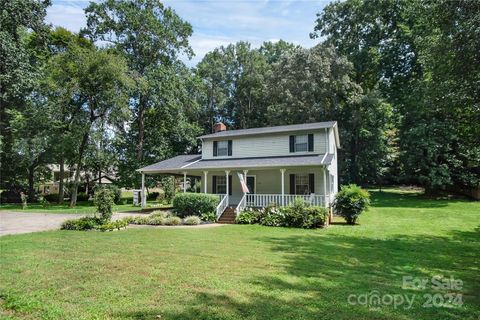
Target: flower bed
[(297, 215)]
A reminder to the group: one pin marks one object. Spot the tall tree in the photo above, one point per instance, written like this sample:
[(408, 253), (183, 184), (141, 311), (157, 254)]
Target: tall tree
[(234, 77), (318, 84), (423, 57), (150, 36), (18, 76), (96, 83)]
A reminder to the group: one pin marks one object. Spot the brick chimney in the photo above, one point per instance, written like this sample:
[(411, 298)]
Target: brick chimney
[(219, 127)]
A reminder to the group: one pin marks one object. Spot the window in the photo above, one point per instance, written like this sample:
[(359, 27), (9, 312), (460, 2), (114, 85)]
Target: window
[(301, 143), (222, 148), (302, 184), (221, 185)]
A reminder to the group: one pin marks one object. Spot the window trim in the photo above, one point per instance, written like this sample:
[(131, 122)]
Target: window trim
[(305, 183)]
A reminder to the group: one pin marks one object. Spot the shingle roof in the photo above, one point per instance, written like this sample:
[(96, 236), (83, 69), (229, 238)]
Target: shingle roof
[(174, 163), (277, 129), (194, 162)]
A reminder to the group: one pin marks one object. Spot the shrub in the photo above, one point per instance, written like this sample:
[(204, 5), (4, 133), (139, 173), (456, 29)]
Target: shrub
[(112, 225), (140, 220), (11, 196), (248, 216), (160, 214), (116, 192), (168, 189), (44, 202), (316, 217), (103, 200), (194, 204), (85, 223), (156, 221), (81, 196), (192, 220), (295, 214), (51, 197), (210, 216), (172, 221), (153, 196), (350, 202), (271, 216)]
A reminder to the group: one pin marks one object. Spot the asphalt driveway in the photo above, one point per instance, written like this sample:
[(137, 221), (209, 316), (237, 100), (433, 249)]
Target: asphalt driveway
[(26, 222)]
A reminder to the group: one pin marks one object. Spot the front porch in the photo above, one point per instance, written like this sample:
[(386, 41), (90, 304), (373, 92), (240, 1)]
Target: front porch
[(279, 186)]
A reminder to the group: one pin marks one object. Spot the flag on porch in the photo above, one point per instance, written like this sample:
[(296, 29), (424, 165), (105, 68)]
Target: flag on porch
[(243, 183)]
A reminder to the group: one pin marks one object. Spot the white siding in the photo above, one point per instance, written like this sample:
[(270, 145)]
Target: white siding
[(265, 145)]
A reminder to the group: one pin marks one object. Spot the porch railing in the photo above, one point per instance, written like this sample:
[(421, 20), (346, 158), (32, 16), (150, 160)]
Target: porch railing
[(222, 205), (263, 200), (241, 205)]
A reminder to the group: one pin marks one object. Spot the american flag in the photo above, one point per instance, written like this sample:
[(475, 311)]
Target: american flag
[(243, 183)]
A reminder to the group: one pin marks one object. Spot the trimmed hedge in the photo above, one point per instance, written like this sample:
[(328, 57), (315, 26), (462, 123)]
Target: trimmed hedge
[(194, 204)]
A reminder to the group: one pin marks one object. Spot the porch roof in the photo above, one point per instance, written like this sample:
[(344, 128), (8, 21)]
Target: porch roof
[(195, 162)]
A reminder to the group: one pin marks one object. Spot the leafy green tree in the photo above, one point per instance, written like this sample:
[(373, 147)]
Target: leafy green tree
[(96, 83), (317, 84), (423, 58), (18, 77), (234, 79)]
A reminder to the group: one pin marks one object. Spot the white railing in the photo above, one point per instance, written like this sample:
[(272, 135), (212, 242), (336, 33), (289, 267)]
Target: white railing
[(241, 205), (222, 205), (263, 200)]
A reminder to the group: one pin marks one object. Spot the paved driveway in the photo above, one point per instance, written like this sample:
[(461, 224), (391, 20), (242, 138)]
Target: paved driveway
[(26, 222)]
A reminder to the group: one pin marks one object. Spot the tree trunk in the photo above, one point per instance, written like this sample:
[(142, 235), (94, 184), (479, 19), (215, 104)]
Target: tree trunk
[(61, 192), (76, 182), (31, 190), (141, 128)]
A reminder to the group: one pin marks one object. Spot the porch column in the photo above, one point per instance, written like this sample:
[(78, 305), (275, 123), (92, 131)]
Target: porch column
[(205, 173), (283, 186), (227, 172), (184, 181), (245, 177), (142, 192), (325, 186)]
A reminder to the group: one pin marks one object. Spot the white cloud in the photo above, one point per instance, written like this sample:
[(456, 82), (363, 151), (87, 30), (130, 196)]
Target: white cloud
[(67, 16), (220, 22)]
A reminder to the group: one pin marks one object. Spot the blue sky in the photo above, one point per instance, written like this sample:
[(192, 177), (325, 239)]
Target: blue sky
[(220, 22)]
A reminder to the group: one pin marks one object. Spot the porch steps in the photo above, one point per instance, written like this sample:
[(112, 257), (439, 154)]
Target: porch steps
[(228, 216)]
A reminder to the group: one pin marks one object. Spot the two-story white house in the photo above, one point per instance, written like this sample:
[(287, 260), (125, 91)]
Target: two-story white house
[(276, 164)]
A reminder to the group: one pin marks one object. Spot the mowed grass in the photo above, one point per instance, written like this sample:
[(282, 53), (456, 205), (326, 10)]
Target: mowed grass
[(249, 272), (84, 207), (81, 207)]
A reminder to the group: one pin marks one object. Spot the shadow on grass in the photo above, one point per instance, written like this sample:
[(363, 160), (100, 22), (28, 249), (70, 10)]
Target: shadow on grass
[(319, 272)]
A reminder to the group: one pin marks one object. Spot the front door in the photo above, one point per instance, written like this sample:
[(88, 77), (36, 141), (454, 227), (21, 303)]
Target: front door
[(251, 184)]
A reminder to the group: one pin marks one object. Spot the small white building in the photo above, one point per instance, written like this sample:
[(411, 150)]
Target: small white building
[(278, 165)]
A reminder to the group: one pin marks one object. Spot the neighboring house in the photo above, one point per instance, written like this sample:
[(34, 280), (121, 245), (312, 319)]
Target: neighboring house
[(51, 185), (278, 165)]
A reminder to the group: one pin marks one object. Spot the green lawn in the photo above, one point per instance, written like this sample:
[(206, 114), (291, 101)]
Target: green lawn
[(81, 207), (248, 272)]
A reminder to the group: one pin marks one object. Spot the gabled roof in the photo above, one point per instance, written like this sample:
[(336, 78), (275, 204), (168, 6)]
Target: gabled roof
[(267, 130), (194, 162)]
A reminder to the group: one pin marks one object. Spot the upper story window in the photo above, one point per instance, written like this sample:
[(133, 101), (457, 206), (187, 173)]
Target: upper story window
[(222, 148), (301, 143)]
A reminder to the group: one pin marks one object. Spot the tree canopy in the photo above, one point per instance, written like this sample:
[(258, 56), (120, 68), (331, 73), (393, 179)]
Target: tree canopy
[(400, 77)]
